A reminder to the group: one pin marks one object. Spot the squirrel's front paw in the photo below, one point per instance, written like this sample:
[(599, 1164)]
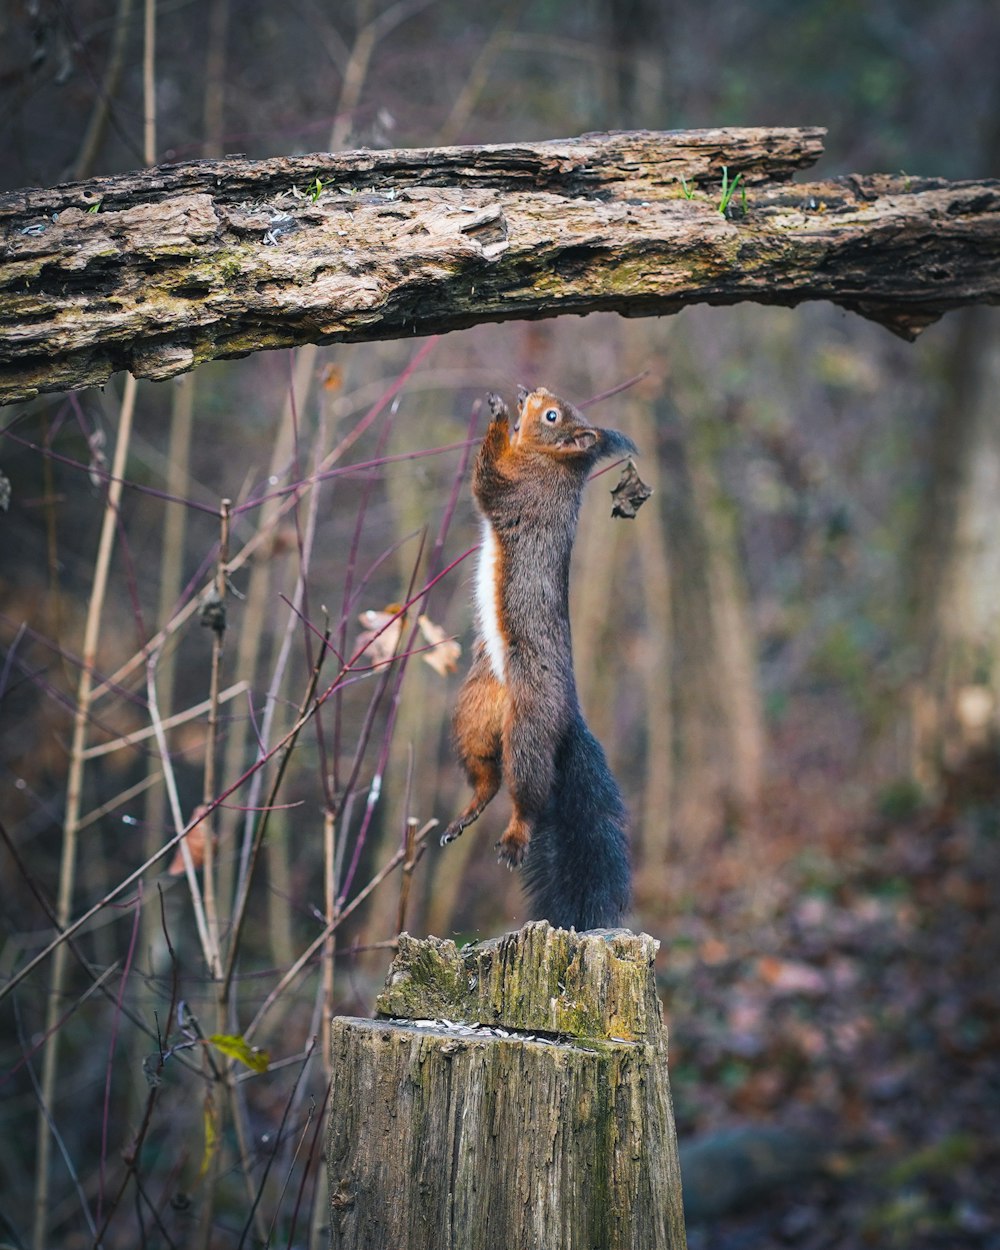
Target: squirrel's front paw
[(498, 409)]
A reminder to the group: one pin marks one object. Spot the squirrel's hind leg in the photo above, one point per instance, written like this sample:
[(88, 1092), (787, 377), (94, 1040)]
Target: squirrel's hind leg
[(531, 733), (478, 730)]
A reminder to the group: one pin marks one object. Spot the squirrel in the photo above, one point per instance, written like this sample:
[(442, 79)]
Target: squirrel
[(518, 716)]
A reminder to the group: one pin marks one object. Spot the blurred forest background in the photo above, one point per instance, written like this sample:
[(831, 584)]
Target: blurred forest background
[(792, 656)]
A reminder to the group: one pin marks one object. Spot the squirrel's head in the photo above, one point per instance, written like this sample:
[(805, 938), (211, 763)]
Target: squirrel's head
[(554, 427)]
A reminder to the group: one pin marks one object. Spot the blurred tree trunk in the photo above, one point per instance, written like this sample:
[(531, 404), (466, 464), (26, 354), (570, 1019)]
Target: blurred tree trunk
[(636, 82), (652, 837), (717, 705), (955, 725), (955, 705)]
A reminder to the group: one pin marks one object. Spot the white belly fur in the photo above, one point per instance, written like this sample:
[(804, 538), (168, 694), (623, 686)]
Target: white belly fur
[(486, 602)]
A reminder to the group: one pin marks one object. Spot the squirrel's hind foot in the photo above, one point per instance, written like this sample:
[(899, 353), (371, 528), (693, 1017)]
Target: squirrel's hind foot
[(513, 846), (454, 830)]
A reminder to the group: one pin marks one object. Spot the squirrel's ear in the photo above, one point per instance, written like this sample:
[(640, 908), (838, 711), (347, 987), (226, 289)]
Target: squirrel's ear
[(584, 439), (522, 395)]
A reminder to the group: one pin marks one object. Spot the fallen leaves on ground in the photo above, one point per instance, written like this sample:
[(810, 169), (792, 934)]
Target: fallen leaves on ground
[(836, 1060)]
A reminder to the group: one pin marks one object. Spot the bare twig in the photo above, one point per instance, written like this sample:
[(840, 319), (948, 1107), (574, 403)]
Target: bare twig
[(409, 863), (179, 837), (99, 978), (356, 70), (271, 1157), (132, 1153), (330, 945), (136, 736), (239, 912), (102, 109), (99, 985), (320, 1121), (209, 950), (307, 955), (74, 796), (216, 619), (46, 1112), (615, 390), (272, 507), (249, 549), (149, 83), (112, 1046), (291, 1167)]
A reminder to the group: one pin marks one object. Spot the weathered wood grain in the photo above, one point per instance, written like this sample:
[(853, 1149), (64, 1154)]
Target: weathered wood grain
[(213, 259), (517, 1096)]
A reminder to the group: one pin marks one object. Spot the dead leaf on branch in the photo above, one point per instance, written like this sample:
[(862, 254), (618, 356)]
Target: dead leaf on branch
[(630, 494), (380, 641), (195, 842)]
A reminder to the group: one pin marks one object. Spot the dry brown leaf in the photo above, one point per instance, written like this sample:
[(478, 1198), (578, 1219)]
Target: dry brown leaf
[(445, 651), (381, 635), (630, 493), (379, 647), (332, 378), (196, 844)]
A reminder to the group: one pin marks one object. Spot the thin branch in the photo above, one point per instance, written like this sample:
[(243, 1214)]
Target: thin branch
[(307, 955), (210, 952), (103, 105), (74, 797), (133, 1153), (249, 549), (98, 979), (179, 837), (291, 1169), (217, 622), (313, 1152), (149, 83), (132, 792), (112, 1046), (134, 737), (26, 1053), (243, 896), (44, 1109), (271, 1157)]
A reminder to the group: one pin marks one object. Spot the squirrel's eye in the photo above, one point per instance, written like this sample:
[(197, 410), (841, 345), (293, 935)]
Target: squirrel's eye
[(551, 415)]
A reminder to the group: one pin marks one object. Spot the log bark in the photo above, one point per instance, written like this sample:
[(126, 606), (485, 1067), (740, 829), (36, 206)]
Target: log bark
[(514, 1093), (159, 270)]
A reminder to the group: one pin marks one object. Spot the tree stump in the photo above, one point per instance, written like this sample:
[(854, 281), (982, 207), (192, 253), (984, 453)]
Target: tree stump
[(510, 1094)]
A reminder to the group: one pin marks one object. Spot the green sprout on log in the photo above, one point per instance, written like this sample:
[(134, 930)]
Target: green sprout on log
[(729, 190)]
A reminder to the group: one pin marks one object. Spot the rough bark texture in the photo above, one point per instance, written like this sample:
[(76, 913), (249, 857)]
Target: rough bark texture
[(516, 1095), (160, 270)]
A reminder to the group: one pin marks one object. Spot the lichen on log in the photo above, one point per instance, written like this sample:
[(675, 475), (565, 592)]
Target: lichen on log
[(160, 270)]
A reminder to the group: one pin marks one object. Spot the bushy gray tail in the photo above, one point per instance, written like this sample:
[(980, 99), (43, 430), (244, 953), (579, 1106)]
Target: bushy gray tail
[(577, 872)]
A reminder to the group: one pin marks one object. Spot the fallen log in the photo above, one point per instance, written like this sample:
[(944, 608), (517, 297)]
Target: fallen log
[(159, 270)]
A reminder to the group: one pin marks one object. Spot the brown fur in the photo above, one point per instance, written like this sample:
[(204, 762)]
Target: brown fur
[(527, 483)]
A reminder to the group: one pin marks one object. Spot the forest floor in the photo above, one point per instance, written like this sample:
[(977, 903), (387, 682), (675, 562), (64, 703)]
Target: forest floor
[(835, 1050)]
